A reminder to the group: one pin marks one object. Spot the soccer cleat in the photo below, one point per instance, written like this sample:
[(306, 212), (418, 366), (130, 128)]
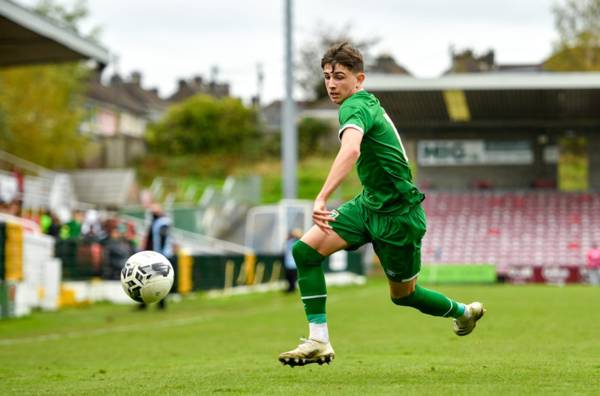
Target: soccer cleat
[(464, 326), (309, 351)]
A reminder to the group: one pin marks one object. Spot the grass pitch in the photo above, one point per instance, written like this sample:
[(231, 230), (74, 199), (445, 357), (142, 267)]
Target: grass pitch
[(533, 340)]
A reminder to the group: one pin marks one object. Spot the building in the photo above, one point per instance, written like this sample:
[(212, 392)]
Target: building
[(386, 64), (467, 61), (117, 116), (498, 129), (196, 85)]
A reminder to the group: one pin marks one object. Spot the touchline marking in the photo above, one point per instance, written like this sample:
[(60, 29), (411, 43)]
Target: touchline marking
[(108, 330), (138, 326), (119, 329)]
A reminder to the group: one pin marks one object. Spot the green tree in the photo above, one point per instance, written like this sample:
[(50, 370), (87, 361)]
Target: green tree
[(40, 106), (312, 133), (42, 114), (578, 26), (310, 75), (203, 124)]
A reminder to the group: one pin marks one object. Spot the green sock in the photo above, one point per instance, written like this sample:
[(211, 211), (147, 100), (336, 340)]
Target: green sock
[(431, 302), (311, 281)]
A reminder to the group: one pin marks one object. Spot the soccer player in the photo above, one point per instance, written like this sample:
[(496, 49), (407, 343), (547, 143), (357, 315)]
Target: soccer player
[(387, 213)]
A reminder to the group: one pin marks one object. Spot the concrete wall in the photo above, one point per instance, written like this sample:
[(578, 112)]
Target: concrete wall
[(120, 151)]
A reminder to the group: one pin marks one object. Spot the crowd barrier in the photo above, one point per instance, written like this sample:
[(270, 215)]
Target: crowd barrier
[(30, 275), (209, 272)]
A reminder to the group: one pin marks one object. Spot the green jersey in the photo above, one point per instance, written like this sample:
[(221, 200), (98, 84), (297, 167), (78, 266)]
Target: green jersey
[(382, 166)]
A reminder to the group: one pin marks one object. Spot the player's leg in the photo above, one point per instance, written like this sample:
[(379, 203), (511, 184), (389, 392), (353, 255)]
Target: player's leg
[(402, 263), (434, 303), (309, 252)]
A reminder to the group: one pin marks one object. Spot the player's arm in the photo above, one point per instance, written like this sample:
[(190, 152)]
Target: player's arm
[(342, 165)]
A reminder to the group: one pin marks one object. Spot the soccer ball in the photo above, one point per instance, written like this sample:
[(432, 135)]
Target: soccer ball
[(147, 277)]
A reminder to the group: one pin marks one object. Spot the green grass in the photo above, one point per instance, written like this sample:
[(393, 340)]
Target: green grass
[(312, 173), (178, 173), (534, 340)]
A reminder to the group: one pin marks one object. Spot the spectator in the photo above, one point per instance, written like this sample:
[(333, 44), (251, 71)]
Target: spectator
[(92, 233), (593, 264), (54, 226), (116, 252), (291, 273), (131, 235), (158, 239), (72, 229), (91, 228), (45, 221)]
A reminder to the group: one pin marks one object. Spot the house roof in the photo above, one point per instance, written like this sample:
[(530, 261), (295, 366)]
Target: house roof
[(115, 96)]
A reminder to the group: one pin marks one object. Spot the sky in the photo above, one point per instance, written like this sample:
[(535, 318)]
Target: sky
[(171, 39)]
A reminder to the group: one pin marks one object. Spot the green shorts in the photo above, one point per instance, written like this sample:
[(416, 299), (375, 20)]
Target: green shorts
[(396, 238)]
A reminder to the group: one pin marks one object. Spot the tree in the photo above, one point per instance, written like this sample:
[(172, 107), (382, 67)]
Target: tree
[(578, 26), (42, 114), (203, 125), (311, 135), (40, 106), (309, 67)]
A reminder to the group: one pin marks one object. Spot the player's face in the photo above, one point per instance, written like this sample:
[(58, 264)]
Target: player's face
[(340, 82)]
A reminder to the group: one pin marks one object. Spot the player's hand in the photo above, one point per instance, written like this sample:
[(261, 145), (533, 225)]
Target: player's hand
[(321, 216)]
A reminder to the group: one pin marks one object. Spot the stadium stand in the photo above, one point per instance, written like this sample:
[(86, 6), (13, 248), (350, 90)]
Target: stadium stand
[(544, 228)]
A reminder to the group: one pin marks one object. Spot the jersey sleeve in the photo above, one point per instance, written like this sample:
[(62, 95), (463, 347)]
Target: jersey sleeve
[(354, 116)]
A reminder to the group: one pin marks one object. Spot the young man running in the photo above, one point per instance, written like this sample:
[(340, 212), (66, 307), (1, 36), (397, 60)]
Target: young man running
[(387, 212)]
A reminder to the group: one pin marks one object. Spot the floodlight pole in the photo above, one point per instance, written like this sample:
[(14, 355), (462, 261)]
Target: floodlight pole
[(289, 138)]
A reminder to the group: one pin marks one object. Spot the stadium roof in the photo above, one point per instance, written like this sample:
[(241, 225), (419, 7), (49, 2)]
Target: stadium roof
[(491, 99), (28, 38), (485, 81)]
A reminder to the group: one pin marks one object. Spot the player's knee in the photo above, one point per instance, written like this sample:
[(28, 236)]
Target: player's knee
[(400, 290), (304, 255), (405, 300)]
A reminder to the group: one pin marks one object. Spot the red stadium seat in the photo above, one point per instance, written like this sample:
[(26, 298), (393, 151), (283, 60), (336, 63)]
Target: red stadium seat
[(518, 228)]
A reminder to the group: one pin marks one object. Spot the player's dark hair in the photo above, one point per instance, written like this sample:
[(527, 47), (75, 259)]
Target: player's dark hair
[(344, 54)]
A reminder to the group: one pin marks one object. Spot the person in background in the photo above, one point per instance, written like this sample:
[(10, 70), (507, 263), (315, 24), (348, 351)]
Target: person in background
[(158, 239), (71, 230), (291, 272), (54, 227), (593, 264), (117, 250), (45, 221)]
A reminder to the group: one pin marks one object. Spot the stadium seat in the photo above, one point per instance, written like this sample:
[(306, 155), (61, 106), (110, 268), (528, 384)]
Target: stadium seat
[(536, 227)]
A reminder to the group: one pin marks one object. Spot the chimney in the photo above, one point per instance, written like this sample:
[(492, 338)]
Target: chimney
[(198, 81), (116, 80), (136, 78)]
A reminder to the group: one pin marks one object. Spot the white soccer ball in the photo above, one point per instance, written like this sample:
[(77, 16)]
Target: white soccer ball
[(147, 277)]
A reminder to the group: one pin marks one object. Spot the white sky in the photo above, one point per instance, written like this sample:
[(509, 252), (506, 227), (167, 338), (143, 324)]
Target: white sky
[(170, 39)]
